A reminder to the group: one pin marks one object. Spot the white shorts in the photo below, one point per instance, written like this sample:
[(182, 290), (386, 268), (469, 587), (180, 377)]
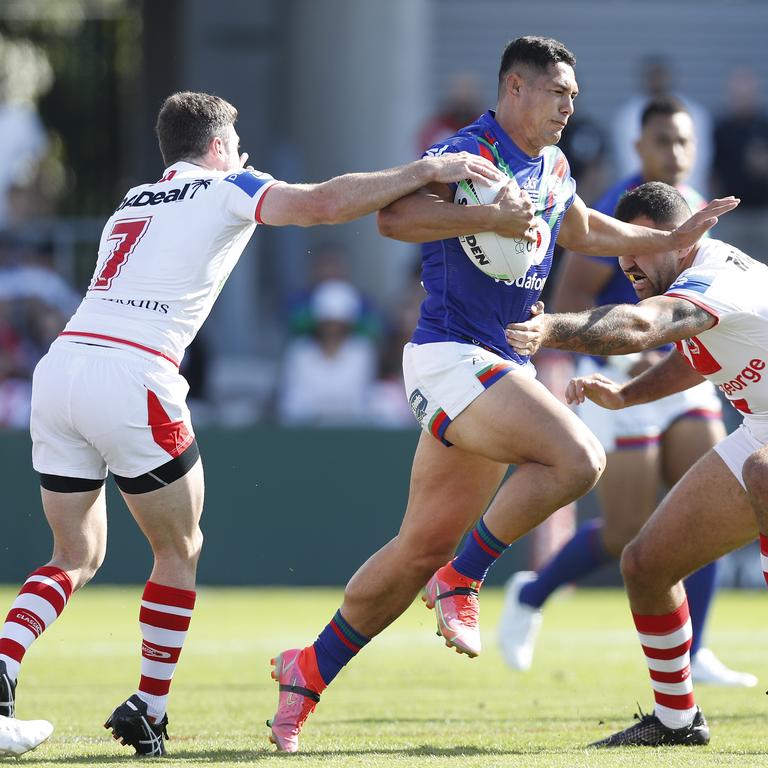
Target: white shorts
[(735, 449), (443, 378), (97, 408), (641, 425)]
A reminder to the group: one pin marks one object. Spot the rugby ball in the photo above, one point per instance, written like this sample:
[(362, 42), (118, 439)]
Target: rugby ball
[(502, 258)]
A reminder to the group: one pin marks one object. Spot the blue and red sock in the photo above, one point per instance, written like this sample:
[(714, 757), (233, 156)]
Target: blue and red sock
[(480, 551), (336, 646), (583, 554)]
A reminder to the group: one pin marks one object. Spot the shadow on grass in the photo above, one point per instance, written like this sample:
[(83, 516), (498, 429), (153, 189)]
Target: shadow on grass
[(218, 757)]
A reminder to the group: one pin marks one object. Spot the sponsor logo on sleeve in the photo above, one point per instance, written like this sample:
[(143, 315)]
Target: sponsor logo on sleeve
[(436, 151), (248, 181), (697, 283)]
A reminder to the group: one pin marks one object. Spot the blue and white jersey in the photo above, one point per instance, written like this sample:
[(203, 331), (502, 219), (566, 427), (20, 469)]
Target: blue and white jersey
[(463, 304)]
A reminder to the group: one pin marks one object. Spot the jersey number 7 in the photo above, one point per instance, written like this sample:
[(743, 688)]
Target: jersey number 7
[(124, 237)]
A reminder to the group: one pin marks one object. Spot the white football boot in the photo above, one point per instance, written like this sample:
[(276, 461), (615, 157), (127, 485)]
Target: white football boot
[(519, 625), (707, 669), (20, 736)]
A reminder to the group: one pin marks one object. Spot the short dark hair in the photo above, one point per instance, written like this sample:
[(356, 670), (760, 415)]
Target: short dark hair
[(663, 105), (538, 52), (188, 121), (657, 201)]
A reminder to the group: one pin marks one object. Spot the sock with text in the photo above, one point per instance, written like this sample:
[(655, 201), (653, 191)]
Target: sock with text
[(164, 620), (40, 601)]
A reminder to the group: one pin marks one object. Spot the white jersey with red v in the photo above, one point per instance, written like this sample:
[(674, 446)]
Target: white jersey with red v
[(733, 354)]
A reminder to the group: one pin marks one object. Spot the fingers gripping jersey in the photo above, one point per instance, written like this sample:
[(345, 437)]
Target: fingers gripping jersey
[(165, 254), (734, 353), (462, 303)]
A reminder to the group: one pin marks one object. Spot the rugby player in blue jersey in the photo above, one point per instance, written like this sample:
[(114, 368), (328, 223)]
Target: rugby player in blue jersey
[(647, 445), (477, 401)]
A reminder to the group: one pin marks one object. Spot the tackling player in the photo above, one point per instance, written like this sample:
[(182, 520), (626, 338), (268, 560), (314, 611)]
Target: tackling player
[(478, 402), (711, 300), (647, 445), (108, 395)]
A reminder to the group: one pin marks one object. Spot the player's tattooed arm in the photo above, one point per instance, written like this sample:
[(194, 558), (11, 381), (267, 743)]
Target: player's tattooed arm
[(614, 329)]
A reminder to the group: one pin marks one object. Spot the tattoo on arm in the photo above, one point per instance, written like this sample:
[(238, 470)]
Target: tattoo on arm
[(618, 329)]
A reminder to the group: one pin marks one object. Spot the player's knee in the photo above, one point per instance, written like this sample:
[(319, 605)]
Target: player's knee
[(193, 546), (755, 476), (183, 548), (584, 464), (637, 569)]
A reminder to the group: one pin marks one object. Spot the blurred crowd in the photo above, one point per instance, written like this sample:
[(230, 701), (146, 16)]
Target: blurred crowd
[(339, 363)]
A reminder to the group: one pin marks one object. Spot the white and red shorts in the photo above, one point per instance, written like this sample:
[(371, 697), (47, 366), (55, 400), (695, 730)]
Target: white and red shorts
[(443, 378), (734, 450), (642, 425), (96, 408)]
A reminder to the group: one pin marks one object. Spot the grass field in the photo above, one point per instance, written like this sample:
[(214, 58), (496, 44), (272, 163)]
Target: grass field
[(406, 701)]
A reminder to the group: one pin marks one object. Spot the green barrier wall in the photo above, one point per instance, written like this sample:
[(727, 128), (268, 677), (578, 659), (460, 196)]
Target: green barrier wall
[(290, 507)]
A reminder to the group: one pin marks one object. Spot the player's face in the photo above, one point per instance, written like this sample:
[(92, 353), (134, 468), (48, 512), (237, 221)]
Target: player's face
[(546, 104), (667, 148), (651, 274)]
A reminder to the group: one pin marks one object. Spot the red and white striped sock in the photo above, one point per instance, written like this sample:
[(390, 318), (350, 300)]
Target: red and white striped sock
[(666, 642), (164, 621), (764, 555), (42, 597)]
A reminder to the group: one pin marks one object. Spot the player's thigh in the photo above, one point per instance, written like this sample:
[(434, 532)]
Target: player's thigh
[(449, 490), (628, 491), (517, 420), (170, 516), (489, 406), (685, 442), (705, 515)]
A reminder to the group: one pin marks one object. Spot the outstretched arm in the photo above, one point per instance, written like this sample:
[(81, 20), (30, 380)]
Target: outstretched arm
[(613, 329), (670, 375), (352, 195), (588, 231)]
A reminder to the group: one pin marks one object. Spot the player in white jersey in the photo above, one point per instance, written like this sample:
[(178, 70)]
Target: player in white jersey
[(712, 302), (108, 395)]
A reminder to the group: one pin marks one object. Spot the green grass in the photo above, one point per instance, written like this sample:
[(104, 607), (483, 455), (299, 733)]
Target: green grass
[(407, 701)]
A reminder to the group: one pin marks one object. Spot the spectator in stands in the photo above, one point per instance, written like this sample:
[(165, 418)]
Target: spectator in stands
[(741, 163), (328, 261), (741, 143), (326, 377), (35, 303), (585, 145), (656, 80), (462, 105), (25, 75), (389, 404)]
